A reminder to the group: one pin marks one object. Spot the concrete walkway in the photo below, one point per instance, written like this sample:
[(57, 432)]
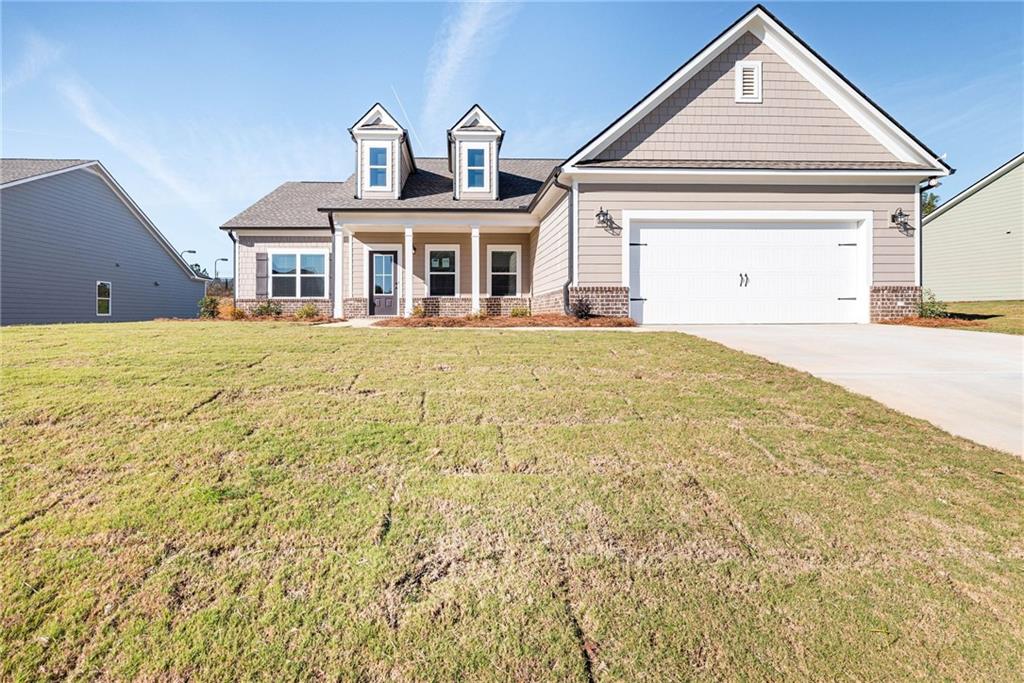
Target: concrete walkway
[(968, 383)]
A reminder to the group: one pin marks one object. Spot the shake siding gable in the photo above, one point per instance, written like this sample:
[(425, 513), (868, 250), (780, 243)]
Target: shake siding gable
[(702, 121)]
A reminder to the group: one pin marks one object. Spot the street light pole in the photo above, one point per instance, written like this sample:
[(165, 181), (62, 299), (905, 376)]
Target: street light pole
[(215, 266), (186, 251)]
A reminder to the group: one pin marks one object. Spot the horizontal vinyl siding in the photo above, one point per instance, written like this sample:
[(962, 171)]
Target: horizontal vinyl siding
[(248, 247), (702, 120), (975, 251), (551, 263), (420, 240), (61, 234), (600, 252)]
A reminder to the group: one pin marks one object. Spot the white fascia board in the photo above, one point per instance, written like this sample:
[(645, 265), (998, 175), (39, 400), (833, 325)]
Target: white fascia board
[(751, 176), (13, 183), (478, 110), (382, 112), (455, 220), (282, 232), (965, 193)]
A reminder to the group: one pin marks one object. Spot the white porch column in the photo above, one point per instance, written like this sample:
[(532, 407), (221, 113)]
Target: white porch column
[(339, 251), (474, 241), (407, 261)]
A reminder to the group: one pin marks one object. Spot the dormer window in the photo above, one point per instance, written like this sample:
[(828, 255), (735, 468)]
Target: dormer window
[(476, 168), (379, 167), (748, 82)]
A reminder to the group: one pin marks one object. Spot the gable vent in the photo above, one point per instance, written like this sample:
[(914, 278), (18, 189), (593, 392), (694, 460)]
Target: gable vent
[(748, 82)]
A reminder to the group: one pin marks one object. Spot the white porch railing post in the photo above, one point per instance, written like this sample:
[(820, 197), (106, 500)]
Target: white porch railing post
[(339, 243), (407, 261), (474, 241)]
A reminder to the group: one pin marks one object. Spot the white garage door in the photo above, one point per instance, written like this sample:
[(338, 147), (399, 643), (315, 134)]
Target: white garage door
[(743, 272)]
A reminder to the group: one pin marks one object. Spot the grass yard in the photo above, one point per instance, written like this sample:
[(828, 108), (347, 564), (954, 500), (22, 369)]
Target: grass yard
[(226, 501), (991, 316)]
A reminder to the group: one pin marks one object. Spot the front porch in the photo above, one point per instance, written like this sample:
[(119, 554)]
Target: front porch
[(434, 269)]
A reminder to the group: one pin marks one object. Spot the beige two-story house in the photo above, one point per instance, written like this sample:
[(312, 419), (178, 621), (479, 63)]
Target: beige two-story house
[(755, 184)]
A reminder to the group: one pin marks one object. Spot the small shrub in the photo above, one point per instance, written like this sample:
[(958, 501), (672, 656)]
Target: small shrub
[(519, 312), (267, 309), (931, 307), (237, 314), (477, 316), (208, 307), (581, 309), (418, 311), (307, 311)]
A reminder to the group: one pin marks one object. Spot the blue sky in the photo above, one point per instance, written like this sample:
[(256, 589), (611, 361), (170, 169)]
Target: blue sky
[(200, 109)]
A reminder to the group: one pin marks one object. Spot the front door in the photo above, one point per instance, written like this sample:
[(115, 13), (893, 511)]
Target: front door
[(383, 294)]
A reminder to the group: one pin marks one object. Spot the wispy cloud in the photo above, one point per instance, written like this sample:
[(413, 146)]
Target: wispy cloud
[(103, 119), (39, 54), (466, 39)]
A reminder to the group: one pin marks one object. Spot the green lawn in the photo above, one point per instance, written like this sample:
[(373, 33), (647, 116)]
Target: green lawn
[(991, 316), (224, 501)]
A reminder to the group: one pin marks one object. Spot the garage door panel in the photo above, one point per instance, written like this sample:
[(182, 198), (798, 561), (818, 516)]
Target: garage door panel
[(745, 273)]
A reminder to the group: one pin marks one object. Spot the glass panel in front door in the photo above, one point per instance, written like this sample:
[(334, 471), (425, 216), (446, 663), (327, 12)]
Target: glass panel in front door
[(383, 274)]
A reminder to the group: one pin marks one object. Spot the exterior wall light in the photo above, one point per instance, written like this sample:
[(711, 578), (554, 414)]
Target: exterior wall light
[(605, 220), (902, 222)]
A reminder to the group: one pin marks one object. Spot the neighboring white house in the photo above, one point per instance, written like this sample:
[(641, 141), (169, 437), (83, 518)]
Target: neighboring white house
[(973, 245)]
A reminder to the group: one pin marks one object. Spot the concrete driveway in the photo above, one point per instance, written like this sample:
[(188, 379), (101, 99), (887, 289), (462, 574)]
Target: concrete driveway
[(968, 383)]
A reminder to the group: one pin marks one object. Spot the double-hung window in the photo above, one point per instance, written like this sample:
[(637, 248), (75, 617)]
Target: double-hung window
[(442, 270), (476, 168), (298, 275), (102, 298), (378, 166), (503, 263)]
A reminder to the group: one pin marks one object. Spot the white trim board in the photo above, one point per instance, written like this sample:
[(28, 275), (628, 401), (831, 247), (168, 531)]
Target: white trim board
[(518, 249), (780, 40), (863, 219)]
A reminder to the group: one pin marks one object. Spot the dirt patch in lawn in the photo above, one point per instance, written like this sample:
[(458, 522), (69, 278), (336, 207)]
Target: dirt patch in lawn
[(543, 320)]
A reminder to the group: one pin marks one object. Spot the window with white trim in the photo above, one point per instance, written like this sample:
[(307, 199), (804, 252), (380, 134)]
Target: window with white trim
[(102, 298), (476, 168), (378, 167), (298, 275), (442, 271), (503, 266), (748, 82)]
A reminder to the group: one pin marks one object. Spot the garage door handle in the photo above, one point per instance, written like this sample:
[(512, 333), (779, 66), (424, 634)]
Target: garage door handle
[(744, 279)]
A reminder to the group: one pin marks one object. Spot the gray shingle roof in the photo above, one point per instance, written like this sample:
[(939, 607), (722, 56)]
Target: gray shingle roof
[(769, 165), (295, 204), (292, 205), (19, 169), (430, 187)]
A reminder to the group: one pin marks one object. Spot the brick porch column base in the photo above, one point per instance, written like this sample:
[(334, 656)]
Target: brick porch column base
[(610, 301), (355, 308), (892, 302)]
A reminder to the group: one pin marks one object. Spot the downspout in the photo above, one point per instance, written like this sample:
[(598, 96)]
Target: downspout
[(565, 287), (234, 268)]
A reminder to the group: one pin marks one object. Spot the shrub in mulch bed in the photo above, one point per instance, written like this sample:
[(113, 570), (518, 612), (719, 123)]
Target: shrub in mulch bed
[(541, 320), (933, 322)]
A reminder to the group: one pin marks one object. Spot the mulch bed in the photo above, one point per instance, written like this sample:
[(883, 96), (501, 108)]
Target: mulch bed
[(542, 320), (934, 322)]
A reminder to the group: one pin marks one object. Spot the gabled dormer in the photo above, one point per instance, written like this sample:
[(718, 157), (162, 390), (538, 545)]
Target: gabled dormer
[(383, 156), (473, 146)]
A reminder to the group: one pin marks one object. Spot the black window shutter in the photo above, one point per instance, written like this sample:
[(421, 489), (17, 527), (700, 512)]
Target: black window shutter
[(261, 274)]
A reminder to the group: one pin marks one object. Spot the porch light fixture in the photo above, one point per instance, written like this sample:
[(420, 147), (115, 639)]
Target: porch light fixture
[(902, 223), (605, 220)]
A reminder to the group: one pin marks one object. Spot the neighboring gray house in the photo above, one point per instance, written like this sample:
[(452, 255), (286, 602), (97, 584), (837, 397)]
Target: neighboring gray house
[(74, 247), (973, 245), (755, 184)]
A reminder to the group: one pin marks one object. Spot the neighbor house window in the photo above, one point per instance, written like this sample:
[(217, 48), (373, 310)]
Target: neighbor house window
[(298, 276), (378, 167), (442, 270), (503, 270), (102, 298), (476, 168), (748, 81)]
